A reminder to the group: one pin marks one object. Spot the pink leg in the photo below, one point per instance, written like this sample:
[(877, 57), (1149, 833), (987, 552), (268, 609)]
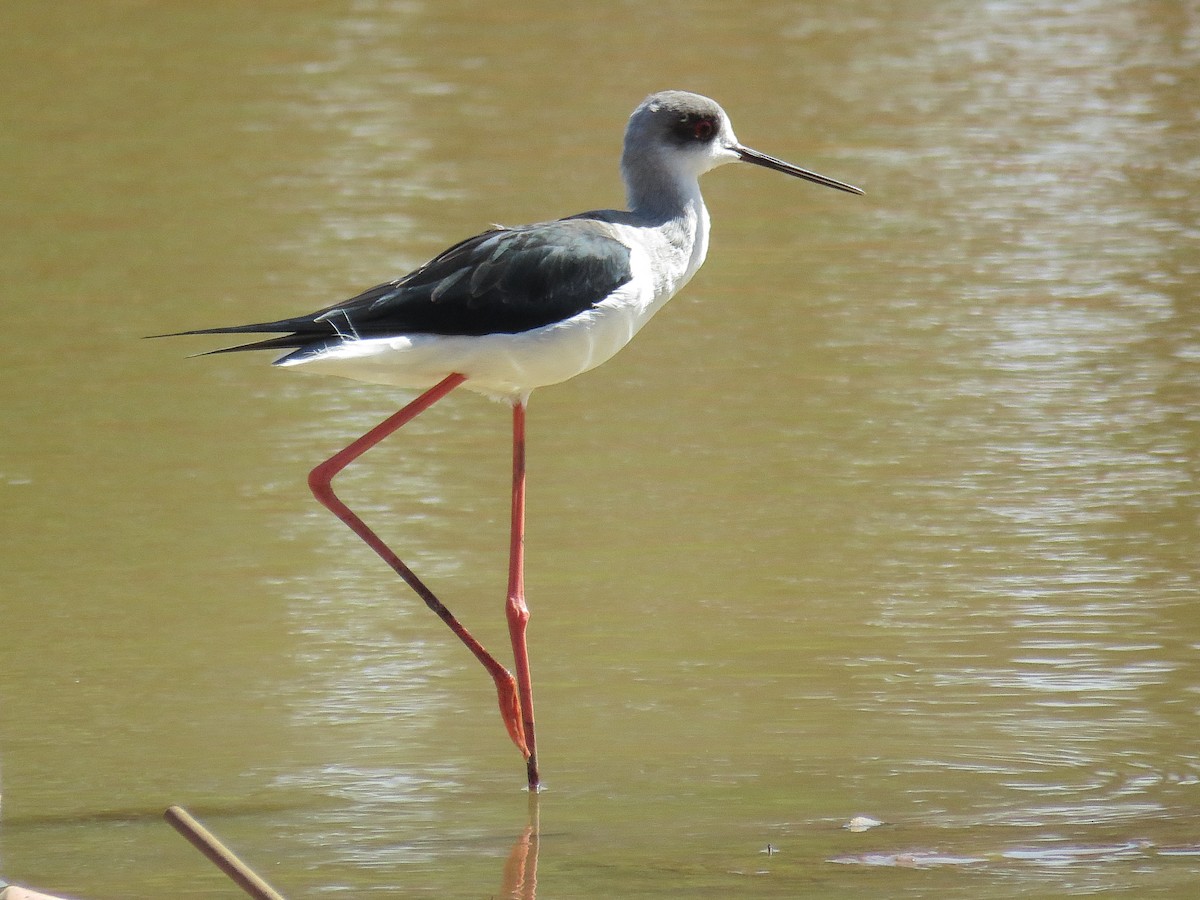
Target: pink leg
[(516, 610), (320, 481)]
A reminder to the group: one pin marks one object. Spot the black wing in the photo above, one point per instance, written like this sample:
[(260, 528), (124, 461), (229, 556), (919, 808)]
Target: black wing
[(502, 281)]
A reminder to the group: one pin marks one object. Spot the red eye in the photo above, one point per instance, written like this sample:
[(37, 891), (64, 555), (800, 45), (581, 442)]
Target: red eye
[(704, 129)]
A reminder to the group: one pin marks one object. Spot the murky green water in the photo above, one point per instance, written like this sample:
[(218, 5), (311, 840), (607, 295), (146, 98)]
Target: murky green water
[(893, 513)]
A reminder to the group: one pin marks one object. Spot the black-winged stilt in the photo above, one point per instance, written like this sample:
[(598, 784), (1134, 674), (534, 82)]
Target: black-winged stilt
[(513, 309)]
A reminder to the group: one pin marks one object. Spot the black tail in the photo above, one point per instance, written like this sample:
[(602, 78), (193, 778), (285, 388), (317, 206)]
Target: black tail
[(304, 331)]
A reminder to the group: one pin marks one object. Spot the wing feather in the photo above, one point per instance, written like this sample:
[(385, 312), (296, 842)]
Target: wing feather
[(505, 280)]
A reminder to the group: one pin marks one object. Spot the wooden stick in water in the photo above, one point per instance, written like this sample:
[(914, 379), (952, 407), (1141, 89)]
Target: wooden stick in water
[(220, 855)]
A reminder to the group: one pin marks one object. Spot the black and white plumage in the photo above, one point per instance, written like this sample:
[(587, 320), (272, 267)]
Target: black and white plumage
[(514, 309)]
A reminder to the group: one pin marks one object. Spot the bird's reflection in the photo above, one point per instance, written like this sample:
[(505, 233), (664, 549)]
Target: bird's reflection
[(520, 869)]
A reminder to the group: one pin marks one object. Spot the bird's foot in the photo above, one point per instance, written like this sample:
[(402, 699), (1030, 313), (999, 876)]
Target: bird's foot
[(510, 710)]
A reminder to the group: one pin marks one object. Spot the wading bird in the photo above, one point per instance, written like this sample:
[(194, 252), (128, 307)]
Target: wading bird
[(513, 309)]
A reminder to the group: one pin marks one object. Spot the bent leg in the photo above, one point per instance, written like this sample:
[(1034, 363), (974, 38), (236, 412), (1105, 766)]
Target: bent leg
[(320, 482)]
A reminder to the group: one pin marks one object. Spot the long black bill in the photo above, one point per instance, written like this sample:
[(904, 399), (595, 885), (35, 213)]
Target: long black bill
[(769, 162)]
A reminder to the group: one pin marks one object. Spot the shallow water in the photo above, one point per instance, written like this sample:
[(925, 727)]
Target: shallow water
[(892, 513)]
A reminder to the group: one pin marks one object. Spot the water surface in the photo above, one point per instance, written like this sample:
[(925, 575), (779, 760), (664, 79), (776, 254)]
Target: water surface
[(893, 513)]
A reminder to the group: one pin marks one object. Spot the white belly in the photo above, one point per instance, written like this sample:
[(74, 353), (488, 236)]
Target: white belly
[(505, 366)]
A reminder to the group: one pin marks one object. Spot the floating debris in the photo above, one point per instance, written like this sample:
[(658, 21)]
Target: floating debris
[(861, 823)]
